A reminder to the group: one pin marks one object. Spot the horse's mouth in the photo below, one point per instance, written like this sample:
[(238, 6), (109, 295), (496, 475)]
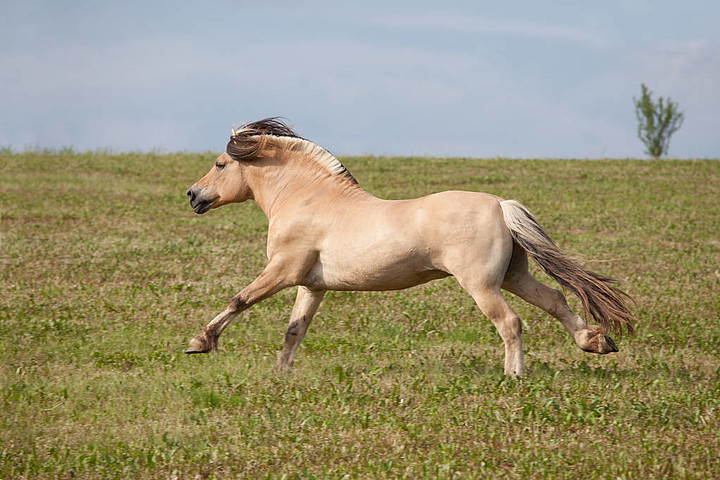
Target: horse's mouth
[(202, 206)]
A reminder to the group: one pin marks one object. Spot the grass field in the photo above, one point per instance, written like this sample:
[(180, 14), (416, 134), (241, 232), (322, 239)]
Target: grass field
[(106, 273)]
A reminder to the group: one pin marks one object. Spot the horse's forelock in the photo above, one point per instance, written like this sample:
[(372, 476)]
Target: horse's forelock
[(242, 148)]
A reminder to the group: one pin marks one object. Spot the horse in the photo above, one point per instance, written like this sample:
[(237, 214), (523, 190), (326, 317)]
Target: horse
[(325, 233)]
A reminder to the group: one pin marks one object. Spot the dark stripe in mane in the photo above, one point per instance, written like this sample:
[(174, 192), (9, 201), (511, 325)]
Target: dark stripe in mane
[(247, 141), (268, 126), (250, 138)]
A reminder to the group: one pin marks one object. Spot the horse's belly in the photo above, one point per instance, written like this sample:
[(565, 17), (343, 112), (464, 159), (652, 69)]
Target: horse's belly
[(370, 274)]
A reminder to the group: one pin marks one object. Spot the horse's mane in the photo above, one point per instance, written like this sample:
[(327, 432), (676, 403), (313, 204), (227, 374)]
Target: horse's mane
[(251, 138)]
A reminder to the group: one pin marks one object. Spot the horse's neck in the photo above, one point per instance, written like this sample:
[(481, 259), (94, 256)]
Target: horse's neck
[(275, 186)]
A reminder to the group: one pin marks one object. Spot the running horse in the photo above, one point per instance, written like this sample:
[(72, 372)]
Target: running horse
[(327, 233)]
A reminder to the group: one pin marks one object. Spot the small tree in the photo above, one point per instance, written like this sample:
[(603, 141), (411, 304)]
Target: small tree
[(656, 122)]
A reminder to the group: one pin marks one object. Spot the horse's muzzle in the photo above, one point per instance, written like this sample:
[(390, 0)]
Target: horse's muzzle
[(199, 203)]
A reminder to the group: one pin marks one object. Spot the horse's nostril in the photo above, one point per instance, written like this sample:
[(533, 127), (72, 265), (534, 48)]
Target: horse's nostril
[(191, 195)]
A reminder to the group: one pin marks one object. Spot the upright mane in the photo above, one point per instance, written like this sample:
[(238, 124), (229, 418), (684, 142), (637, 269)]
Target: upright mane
[(251, 138)]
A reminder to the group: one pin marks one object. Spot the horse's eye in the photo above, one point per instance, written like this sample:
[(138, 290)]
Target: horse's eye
[(219, 166)]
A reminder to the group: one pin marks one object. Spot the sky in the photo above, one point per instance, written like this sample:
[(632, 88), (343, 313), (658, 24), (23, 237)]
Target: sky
[(451, 79)]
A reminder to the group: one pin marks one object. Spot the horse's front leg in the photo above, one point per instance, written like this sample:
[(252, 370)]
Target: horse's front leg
[(276, 276), (306, 304)]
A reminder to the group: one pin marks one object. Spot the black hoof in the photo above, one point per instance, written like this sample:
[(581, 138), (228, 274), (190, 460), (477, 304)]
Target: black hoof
[(611, 344)]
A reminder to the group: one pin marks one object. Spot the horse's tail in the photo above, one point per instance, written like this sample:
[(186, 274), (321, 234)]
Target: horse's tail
[(601, 299)]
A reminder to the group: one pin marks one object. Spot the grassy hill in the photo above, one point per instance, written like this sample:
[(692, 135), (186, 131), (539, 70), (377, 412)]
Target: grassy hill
[(106, 273)]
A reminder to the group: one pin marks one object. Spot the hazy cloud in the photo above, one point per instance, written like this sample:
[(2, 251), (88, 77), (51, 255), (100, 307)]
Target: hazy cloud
[(482, 25)]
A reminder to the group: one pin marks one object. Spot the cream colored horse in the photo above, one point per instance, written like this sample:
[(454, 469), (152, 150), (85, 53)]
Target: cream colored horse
[(327, 233)]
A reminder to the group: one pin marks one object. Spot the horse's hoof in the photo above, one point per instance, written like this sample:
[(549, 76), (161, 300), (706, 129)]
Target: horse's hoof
[(283, 367), (597, 342), (198, 345), (611, 345)]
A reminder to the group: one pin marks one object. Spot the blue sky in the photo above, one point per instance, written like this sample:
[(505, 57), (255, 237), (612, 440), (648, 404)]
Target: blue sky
[(471, 78)]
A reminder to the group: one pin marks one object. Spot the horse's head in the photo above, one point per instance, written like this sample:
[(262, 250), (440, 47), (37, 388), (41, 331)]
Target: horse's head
[(224, 183)]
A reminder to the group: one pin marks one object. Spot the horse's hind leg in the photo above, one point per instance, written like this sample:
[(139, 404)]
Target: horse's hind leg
[(490, 300), (306, 304), (519, 281), (508, 325)]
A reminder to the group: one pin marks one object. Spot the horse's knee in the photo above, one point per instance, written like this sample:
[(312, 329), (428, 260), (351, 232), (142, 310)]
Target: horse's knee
[(237, 304), (293, 330)]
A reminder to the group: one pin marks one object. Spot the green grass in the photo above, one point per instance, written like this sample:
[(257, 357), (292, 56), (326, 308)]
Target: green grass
[(105, 274)]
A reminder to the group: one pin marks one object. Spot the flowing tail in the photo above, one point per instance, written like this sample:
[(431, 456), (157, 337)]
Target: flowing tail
[(601, 299)]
